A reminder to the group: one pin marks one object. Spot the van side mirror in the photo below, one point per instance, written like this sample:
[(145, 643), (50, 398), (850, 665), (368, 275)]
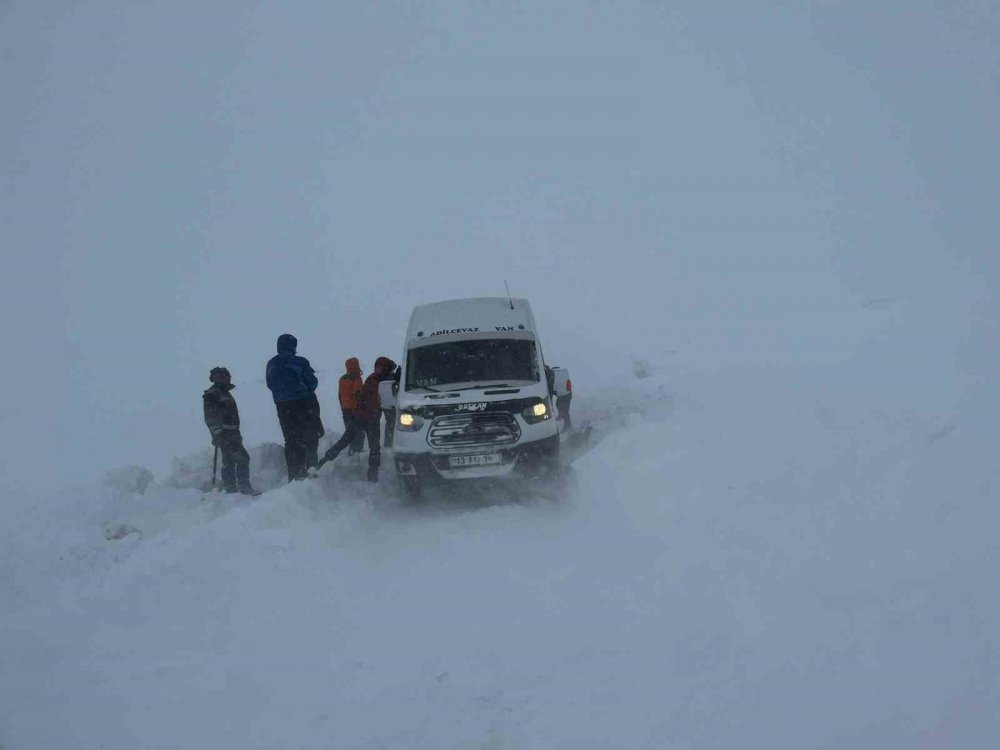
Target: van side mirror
[(386, 394), (563, 385)]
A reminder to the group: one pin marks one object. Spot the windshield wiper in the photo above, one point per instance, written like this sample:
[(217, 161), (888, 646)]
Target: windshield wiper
[(484, 387), (468, 388), (446, 392), (428, 388)]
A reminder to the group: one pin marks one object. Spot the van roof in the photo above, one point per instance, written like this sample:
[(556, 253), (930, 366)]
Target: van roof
[(474, 314)]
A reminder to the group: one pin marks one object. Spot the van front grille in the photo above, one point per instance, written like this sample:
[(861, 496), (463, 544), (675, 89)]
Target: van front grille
[(474, 430)]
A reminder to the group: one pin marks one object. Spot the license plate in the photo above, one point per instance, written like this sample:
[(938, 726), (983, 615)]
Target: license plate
[(482, 459)]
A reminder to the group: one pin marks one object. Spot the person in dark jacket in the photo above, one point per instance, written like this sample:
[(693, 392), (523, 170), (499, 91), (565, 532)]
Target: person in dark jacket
[(562, 406), (348, 393), (222, 418), (562, 402), (293, 384), (369, 414)]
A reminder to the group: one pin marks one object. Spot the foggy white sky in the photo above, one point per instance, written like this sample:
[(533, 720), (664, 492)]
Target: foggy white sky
[(754, 184)]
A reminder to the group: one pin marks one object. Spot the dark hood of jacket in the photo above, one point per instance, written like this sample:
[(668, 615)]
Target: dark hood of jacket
[(287, 344), (383, 366), (353, 366)]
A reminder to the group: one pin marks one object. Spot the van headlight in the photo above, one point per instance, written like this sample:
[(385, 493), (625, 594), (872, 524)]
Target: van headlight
[(409, 422), (536, 413)]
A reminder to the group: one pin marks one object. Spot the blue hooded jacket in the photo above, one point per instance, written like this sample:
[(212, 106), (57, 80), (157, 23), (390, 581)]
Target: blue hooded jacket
[(289, 377)]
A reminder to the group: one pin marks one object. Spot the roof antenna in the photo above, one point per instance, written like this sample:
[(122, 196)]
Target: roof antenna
[(508, 294)]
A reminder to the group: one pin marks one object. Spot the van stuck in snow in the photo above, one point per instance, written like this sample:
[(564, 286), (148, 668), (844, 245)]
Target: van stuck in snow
[(473, 401)]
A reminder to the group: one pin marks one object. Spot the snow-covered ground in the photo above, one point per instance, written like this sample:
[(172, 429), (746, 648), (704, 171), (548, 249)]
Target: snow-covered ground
[(694, 586)]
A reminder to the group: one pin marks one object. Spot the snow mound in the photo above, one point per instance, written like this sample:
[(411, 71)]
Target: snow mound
[(114, 532), (129, 480)]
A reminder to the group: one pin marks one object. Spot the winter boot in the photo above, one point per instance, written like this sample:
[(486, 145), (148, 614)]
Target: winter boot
[(372, 474), (229, 483), (243, 480)]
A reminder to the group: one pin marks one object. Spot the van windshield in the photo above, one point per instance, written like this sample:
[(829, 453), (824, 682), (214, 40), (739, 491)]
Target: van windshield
[(466, 363)]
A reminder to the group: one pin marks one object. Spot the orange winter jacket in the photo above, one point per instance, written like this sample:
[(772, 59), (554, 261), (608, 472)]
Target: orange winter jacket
[(350, 385)]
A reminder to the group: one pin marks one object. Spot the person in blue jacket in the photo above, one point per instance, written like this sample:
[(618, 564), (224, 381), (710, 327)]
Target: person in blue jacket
[(293, 385)]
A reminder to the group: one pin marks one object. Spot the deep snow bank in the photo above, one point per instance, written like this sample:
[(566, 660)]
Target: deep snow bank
[(742, 560)]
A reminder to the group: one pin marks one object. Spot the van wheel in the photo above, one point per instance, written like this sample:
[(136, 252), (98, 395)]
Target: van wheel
[(412, 490), (550, 465)]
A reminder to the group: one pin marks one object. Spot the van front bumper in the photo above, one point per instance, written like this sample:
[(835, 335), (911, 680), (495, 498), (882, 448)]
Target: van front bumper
[(516, 461)]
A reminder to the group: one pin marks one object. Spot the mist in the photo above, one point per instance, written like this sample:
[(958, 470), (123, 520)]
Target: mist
[(761, 186)]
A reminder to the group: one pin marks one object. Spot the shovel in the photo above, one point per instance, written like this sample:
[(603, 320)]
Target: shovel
[(314, 471), (215, 466)]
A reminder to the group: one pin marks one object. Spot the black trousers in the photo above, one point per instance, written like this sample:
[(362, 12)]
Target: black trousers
[(235, 461), (299, 428), (369, 430), (357, 445), (562, 408), (390, 427)]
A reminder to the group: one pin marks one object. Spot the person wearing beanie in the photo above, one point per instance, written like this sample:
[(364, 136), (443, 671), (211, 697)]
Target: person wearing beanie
[(222, 418)]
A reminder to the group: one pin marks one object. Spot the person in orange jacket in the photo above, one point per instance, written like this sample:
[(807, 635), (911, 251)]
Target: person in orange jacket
[(349, 395), (370, 414)]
